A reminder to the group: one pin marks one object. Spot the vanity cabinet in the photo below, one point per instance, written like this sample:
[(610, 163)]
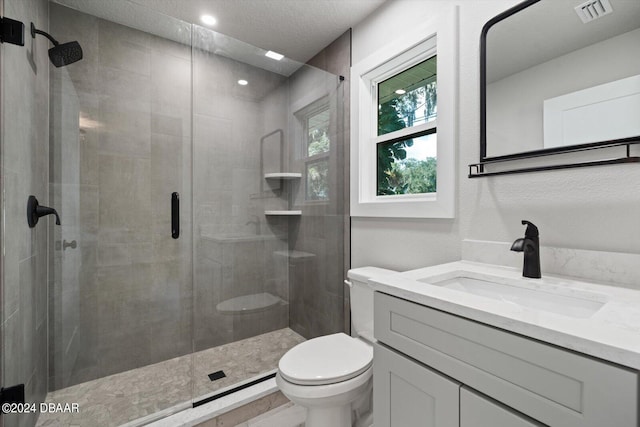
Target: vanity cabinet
[(410, 394), (553, 386)]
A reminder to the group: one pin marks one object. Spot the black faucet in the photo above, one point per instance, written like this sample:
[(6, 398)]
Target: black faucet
[(35, 210), (530, 245)]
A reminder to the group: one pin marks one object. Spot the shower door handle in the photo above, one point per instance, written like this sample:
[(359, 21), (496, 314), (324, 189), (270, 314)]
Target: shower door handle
[(175, 215)]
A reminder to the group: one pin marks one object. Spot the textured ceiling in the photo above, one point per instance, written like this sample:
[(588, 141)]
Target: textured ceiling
[(296, 28)]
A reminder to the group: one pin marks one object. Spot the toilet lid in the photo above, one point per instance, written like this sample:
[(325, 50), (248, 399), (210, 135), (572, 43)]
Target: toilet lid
[(326, 360)]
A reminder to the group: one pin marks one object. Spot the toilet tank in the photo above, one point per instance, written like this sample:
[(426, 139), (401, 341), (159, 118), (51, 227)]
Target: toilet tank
[(362, 299)]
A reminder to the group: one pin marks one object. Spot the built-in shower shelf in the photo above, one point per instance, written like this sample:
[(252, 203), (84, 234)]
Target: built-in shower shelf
[(283, 175), (295, 255), (283, 213)]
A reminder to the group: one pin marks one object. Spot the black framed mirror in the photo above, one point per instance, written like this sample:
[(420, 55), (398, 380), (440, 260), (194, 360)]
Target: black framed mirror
[(560, 77)]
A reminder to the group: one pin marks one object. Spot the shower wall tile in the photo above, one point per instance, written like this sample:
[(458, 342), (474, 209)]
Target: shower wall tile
[(114, 255), (125, 132), (27, 312), (165, 177), (134, 95), (13, 345), (163, 124), (136, 303), (122, 85), (12, 231), (173, 48), (123, 48), (171, 93), (25, 169), (89, 200), (316, 290)]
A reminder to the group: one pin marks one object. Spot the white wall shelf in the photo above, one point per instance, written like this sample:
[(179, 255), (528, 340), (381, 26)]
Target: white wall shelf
[(294, 255), (283, 175), (283, 213)]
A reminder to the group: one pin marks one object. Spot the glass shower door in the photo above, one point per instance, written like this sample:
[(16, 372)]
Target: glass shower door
[(109, 309), (267, 260), (24, 157), (120, 301)]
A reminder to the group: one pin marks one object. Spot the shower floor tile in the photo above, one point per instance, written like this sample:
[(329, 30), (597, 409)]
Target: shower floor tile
[(127, 396)]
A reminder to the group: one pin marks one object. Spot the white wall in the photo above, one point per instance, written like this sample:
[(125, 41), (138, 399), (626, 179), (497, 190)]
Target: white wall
[(589, 208)]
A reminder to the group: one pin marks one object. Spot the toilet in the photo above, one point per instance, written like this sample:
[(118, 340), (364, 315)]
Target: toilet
[(332, 376)]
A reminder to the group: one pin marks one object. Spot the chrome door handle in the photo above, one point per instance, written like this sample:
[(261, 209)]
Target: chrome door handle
[(73, 244)]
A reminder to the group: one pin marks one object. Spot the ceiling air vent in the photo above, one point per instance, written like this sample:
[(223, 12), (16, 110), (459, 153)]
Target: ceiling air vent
[(593, 9)]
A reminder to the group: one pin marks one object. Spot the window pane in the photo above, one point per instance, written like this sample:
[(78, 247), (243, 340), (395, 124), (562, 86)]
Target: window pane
[(318, 133), (317, 186), (407, 167), (408, 99)]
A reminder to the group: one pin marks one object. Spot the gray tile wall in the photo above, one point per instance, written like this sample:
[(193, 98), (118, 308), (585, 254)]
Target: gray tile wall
[(235, 244), (317, 294), (25, 160), (120, 125), (121, 144), (124, 299)]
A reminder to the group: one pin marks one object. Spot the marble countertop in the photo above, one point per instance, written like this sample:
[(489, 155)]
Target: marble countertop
[(612, 333)]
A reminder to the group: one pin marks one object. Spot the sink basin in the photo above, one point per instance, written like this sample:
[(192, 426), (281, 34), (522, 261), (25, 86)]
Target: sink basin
[(566, 302)]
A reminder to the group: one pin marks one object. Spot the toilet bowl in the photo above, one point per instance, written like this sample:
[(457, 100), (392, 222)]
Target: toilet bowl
[(332, 376)]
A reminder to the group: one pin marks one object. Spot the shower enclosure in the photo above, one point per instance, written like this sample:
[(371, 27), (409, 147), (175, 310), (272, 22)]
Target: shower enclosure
[(124, 308)]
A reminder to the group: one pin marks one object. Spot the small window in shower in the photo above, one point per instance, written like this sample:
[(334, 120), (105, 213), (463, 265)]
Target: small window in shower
[(316, 182), (316, 121), (318, 133)]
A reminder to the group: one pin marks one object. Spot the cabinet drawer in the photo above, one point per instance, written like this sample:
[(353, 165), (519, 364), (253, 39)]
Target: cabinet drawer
[(555, 386), (477, 411)]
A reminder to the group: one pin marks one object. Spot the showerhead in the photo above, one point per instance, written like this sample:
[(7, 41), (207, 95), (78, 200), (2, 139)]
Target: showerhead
[(65, 54), (60, 54)]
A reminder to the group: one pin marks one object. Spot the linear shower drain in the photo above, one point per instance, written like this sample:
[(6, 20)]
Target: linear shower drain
[(216, 375)]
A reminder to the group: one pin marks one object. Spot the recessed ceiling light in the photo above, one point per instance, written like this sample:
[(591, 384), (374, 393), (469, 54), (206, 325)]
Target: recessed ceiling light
[(208, 20), (243, 82), (274, 55), (401, 91)]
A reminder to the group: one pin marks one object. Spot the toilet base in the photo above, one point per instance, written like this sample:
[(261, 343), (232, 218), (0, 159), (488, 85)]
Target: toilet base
[(329, 405), (336, 416)]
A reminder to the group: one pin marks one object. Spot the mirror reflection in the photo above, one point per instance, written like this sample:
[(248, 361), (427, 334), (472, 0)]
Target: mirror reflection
[(563, 73)]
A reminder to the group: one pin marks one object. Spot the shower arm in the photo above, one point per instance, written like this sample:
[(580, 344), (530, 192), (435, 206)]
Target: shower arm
[(35, 31)]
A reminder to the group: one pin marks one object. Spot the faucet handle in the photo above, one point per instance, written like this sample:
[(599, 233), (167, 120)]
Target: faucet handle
[(35, 210), (532, 230)]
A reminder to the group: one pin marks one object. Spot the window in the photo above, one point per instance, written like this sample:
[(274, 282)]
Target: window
[(407, 100), (316, 180), (407, 166), (317, 144), (403, 125)]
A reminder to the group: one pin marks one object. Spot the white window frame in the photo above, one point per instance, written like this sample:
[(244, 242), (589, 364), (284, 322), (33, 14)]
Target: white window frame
[(435, 37)]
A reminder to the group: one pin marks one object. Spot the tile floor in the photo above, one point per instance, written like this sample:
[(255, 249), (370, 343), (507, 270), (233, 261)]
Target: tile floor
[(288, 415), (127, 396)]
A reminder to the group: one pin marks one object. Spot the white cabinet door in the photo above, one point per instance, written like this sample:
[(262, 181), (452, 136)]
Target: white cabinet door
[(477, 411), (408, 394)]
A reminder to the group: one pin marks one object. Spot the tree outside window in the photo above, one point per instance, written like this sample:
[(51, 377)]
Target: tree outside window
[(408, 99), (318, 143)]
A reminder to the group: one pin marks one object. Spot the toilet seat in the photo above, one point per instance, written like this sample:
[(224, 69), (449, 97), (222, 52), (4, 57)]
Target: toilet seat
[(325, 360)]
